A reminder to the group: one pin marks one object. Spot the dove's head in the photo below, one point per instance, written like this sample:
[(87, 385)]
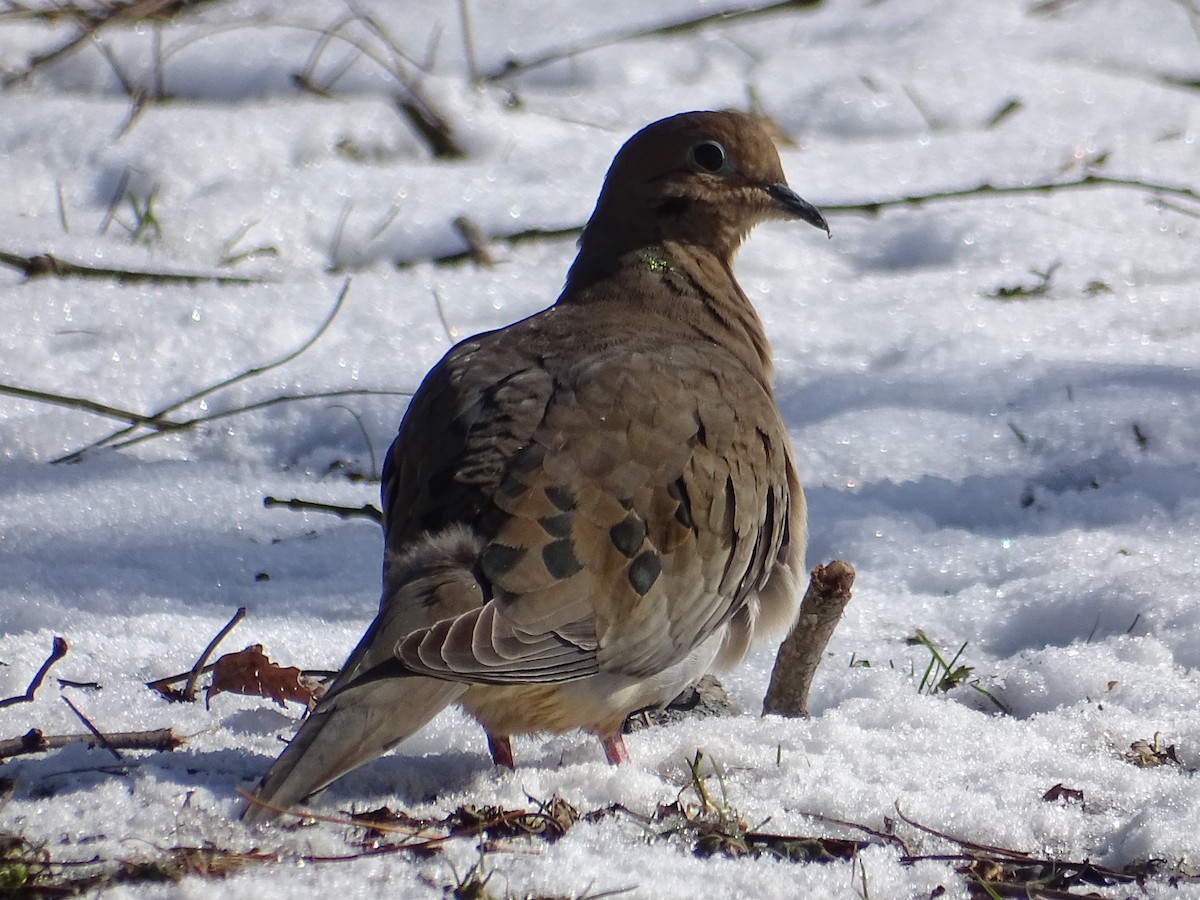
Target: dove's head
[(701, 178)]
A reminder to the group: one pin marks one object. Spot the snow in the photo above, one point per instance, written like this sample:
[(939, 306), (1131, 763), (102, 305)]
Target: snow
[(1019, 475)]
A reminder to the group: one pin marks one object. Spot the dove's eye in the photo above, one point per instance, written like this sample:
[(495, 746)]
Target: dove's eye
[(709, 156)]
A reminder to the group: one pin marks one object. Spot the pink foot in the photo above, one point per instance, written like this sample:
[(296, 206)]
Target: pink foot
[(501, 749), (614, 749)]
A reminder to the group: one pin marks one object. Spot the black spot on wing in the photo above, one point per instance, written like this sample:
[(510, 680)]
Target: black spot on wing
[(627, 535), (497, 560), (644, 571), (559, 557), (561, 497), (683, 512), (556, 526)]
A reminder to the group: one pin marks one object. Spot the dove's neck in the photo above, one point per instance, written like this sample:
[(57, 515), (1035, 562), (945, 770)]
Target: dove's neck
[(683, 284)]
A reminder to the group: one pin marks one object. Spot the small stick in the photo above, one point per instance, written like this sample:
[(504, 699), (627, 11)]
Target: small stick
[(33, 741), (464, 20), (220, 385), (57, 652), (44, 264), (82, 685), (189, 689), (104, 742), (477, 241), (367, 511), (827, 595)]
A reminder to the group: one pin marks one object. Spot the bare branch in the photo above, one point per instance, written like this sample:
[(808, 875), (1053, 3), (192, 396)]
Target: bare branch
[(874, 207), (201, 666), (57, 651), (44, 264), (221, 385), (722, 16), (477, 241), (800, 654), (33, 741), (92, 406), (189, 689), (366, 511), (87, 723)]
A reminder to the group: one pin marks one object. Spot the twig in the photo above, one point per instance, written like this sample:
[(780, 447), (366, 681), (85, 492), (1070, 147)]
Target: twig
[(168, 426), (515, 66), (188, 694), (518, 237), (968, 845), (987, 189), (477, 241), (92, 406), (800, 654), (431, 124), (464, 21), (104, 742), (874, 207), (57, 651), (366, 511), (93, 21), (82, 685), (887, 836), (33, 741), (44, 264), (241, 376)]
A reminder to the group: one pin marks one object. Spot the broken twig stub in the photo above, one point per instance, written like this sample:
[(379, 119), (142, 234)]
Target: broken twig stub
[(800, 654)]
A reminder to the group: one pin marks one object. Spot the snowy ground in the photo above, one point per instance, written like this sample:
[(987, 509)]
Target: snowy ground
[(1017, 473)]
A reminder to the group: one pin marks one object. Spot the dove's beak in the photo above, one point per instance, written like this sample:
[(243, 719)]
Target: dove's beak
[(795, 206)]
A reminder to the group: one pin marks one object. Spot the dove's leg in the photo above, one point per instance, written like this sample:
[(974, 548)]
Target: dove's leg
[(501, 748), (614, 748)]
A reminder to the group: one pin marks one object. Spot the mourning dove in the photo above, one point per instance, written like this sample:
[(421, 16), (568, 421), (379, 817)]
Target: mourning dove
[(585, 510)]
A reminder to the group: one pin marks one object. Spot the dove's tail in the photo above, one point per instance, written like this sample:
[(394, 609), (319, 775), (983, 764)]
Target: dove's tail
[(353, 728), (361, 718)]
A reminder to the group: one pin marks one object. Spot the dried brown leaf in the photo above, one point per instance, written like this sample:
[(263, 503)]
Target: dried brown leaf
[(251, 673)]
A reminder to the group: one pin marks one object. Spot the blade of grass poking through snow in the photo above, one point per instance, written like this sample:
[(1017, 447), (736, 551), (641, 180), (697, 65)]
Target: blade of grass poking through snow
[(116, 436), (941, 676)]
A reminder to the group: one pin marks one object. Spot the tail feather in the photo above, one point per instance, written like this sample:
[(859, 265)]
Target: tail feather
[(358, 720), (356, 726)]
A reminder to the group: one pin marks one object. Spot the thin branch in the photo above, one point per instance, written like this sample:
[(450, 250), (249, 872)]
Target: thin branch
[(232, 380), (425, 118), (45, 264), (888, 836), (93, 21), (451, 331), (169, 427), (722, 16), (873, 207), (57, 651), (92, 406), (189, 689), (968, 845), (988, 189), (33, 741), (87, 723), (366, 511), (464, 21), (477, 243), (525, 236)]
